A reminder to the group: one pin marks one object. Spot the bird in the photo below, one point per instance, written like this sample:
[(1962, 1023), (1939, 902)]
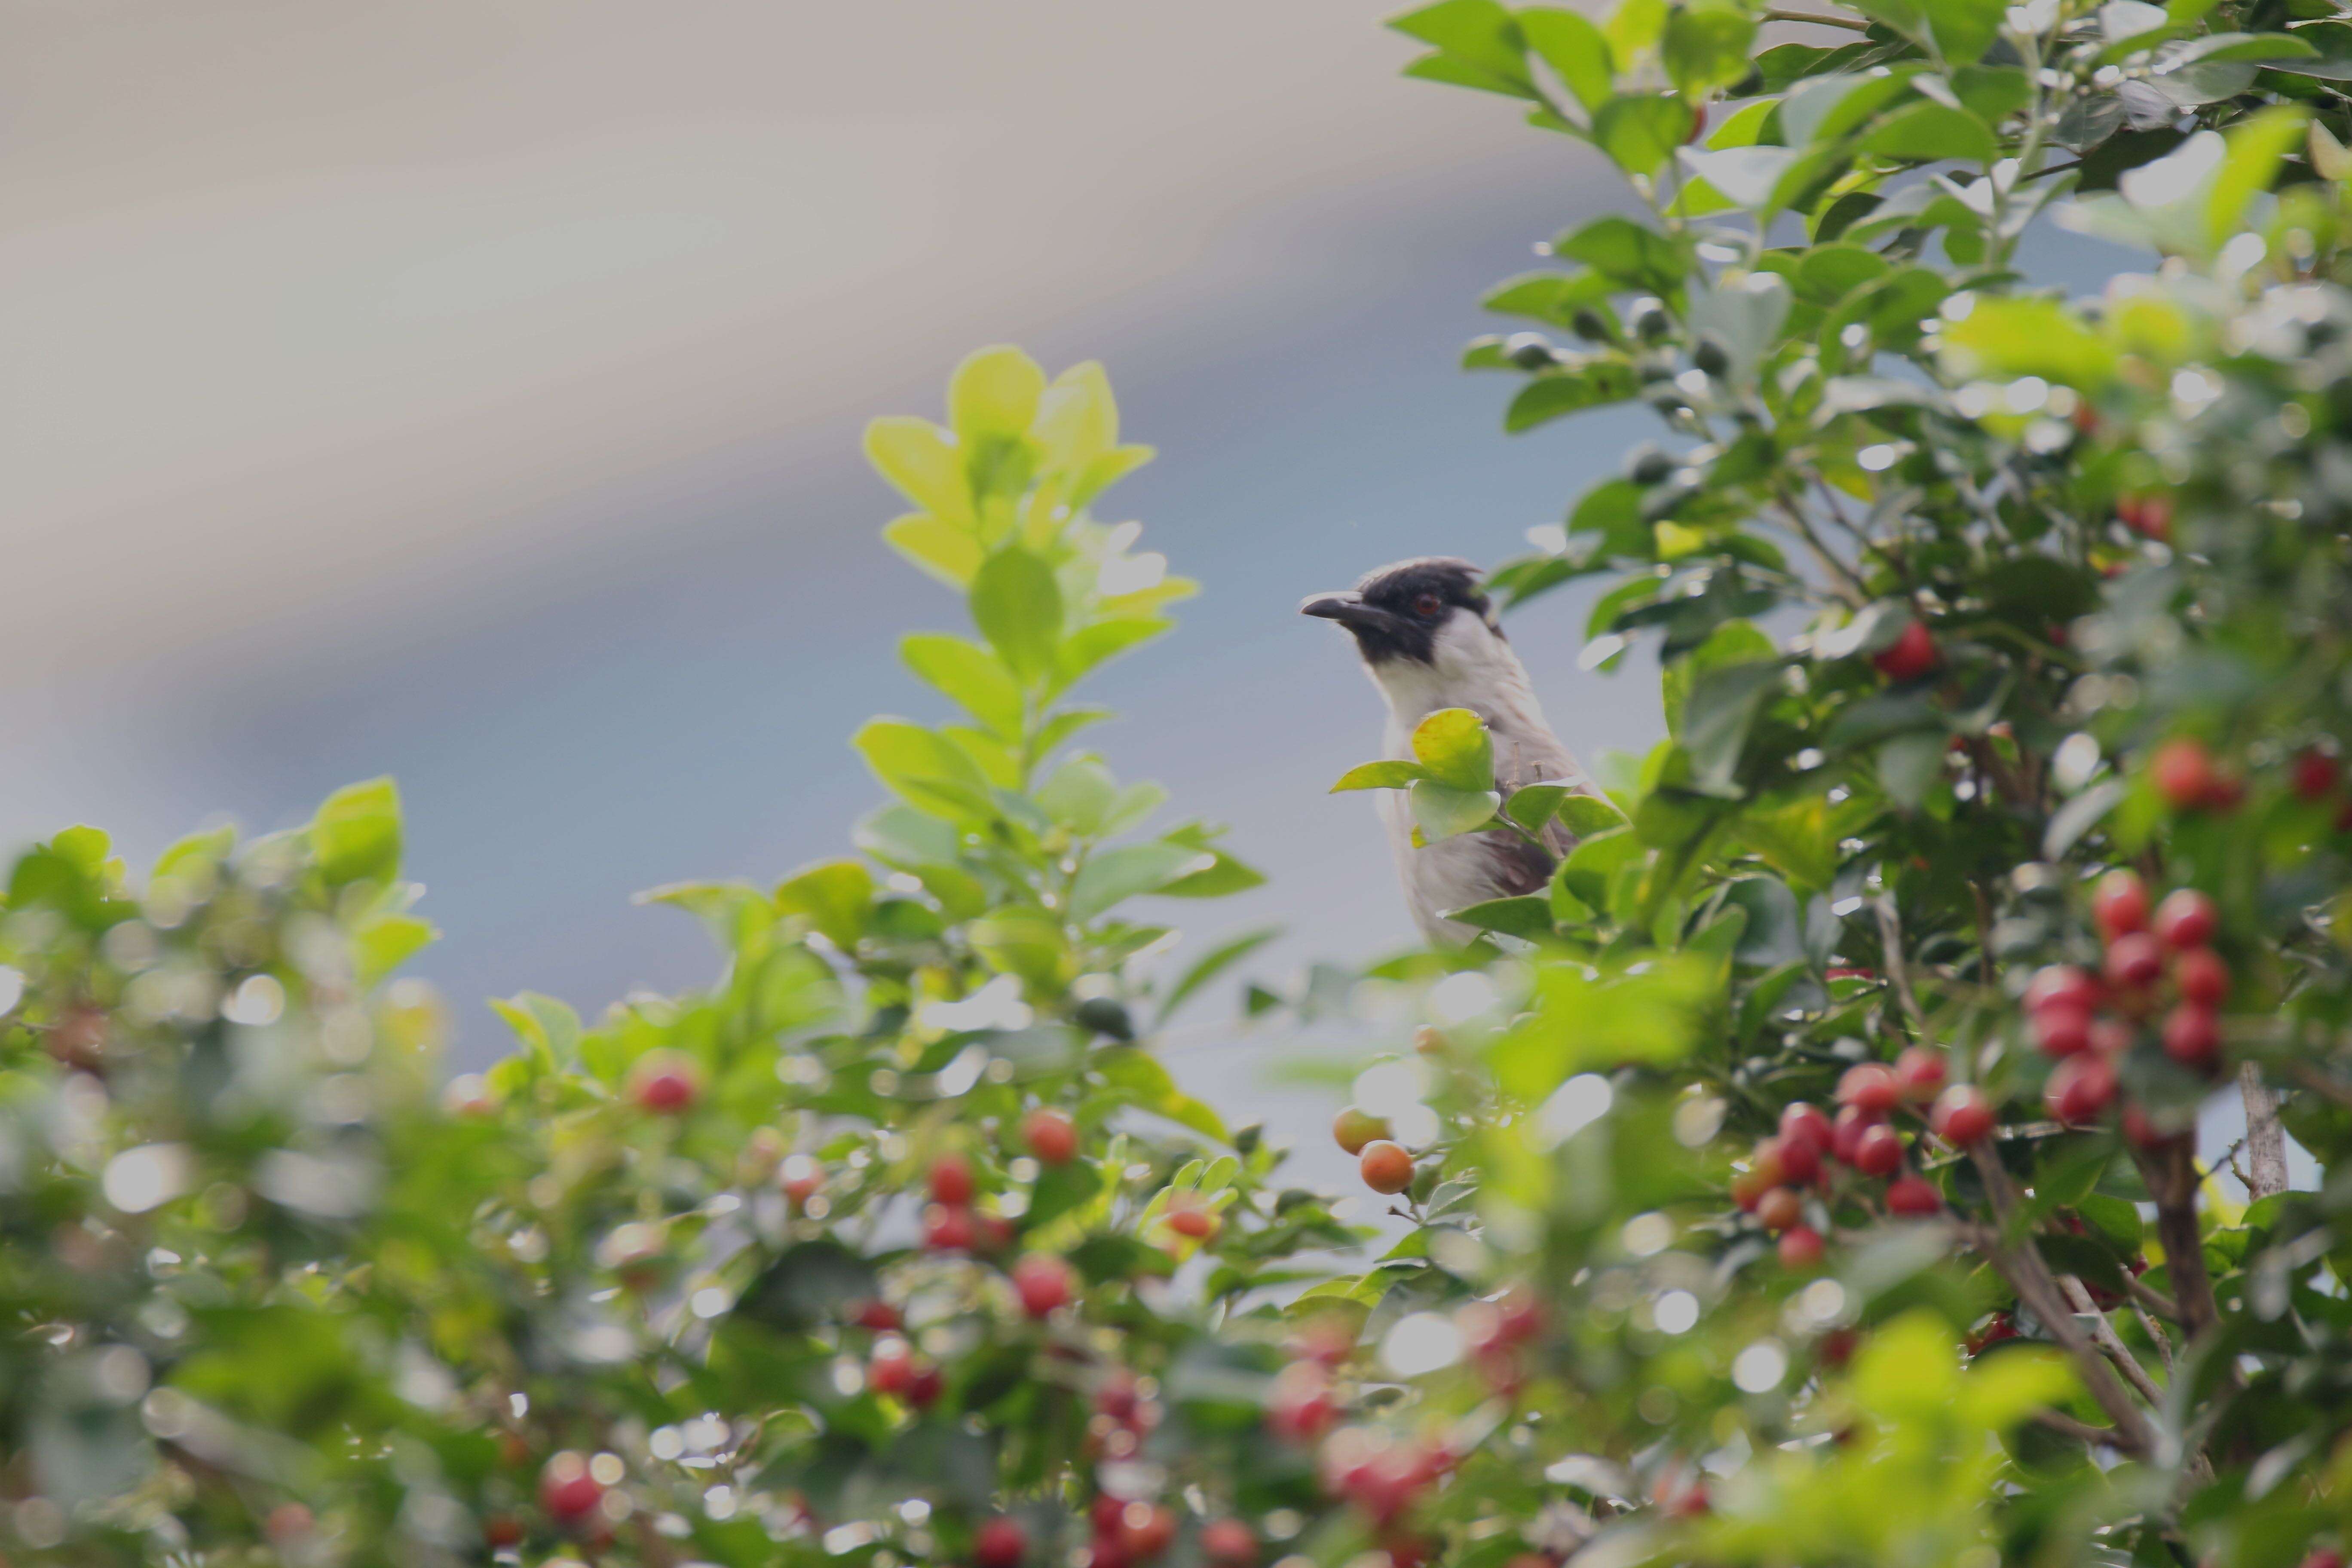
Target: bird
[(1430, 640)]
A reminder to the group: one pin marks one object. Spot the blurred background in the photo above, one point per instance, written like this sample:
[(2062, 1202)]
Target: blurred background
[(472, 392)]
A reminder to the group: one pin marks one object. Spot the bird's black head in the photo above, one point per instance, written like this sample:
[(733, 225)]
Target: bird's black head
[(1397, 612)]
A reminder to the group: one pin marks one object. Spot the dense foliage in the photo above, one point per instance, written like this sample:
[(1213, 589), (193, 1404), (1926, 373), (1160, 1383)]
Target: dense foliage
[(1811, 1174)]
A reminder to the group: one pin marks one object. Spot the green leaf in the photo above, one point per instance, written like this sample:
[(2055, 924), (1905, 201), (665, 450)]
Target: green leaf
[(1578, 1023), (812, 1284), (1594, 383), (1481, 32), (1553, 297), (1017, 606), (994, 392), (1636, 257), (1632, 30), (834, 897), (1586, 815), (927, 770), (383, 943), (356, 833), (1573, 47), (1640, 132), (1452, 70), (1093, 645), (1532, 805), (1443, 811), (1079, 795), (1224, 878), (1528, 918), (2014, 337), (2257, 147), (1719, 713), (549, 1030), (946, 551), (1930, 132), (1109, 876), (1706, 46), (1212, 964), (1909, 766), (1387, 773), (921, 461), (968, 675), (1453, 746), (1059, 1190)]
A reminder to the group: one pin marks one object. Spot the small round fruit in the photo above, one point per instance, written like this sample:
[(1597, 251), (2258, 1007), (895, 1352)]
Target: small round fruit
[(1229, 1542), (1853, 1121), (800, 1177), (2181, 770), (924, 1384), (950, 1229), (1043, 1284), (2134, 960), (2062, 1031), (2192, 1036), (501, 1532), (1870, 1088), (1050, 1136), (2149, 515), (1191, 1220), (665, 1083), (999, 1543), (2080, 1089), (1878, 1152), (1910, 656), (1781, 1208), (1353, 1128), (1913, 1197), (1748, 1188), (1799, 1121), (2315, 774), (2185, 919), (951, 1181), (878, 1315), (1386, 1167), (1767, 1162), (2201, 976), (567, 1490), (1920, 1072), (1146, 1529), (1300, 1407), (1801, 1247), (2062, 986), (288, 1521), (2120, 904), (891, 1366), (1799, 1159), (1962, 1115)]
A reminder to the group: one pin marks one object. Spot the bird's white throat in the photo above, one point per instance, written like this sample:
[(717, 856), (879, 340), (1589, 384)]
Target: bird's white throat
[(1469, 666)]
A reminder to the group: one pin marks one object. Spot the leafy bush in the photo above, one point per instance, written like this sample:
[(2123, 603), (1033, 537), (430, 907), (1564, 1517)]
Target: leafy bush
[(1809, 1175)]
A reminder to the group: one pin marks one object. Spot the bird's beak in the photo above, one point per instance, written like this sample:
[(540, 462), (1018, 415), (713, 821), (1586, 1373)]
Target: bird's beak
[(1347, 608)]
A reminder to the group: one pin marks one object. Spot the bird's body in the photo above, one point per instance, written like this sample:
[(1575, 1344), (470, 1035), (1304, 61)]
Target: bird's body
[(1429, 641)]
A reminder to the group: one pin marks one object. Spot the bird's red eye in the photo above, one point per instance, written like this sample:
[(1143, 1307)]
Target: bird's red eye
[(1427, 606)]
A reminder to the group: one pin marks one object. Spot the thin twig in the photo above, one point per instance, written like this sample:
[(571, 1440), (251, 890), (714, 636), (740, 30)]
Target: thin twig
[(2021, 1264), (1890, 939), (1854, 593), (1850, 25), (2172, 1179), (2265, 1139), (2155, 1332), (2154, 1300), (2065, 1425), (2103, 1334)]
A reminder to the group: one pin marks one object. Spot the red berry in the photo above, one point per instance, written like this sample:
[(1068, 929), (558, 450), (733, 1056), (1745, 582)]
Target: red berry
[(501, 1531), (2323, 1557), (1385, 1166), (1913, 1197), (2149, 515), (2062, 1031), (2315, 774), (1853, 1121), (947, 1229), (2135, 960), (663, 1082), (1301, 1406), (2224, 794), (2143, 1132), (1800, 1248), (951, 1181), (2201, 977), (1962, 1115), (924, 1384), (1920, 1072), (2192, 1036), (1878, 1152), (1748, 1187), (1353, 1128), (891, 1367), (2185, 918), (1800, 1122), (1190, 1219), (1910, 656), (1523, 1315), (2181, 770), (999, 1543), (1229, 1542), (1145, 1529), (1800, 1158), (1779, 1209), (2080, 1089), (1043, 1284), (878, 1315), (2062, 986), (2110, 1036), (1050, 1136), (1870, 1088), (567, 1490), (2120, 905)]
